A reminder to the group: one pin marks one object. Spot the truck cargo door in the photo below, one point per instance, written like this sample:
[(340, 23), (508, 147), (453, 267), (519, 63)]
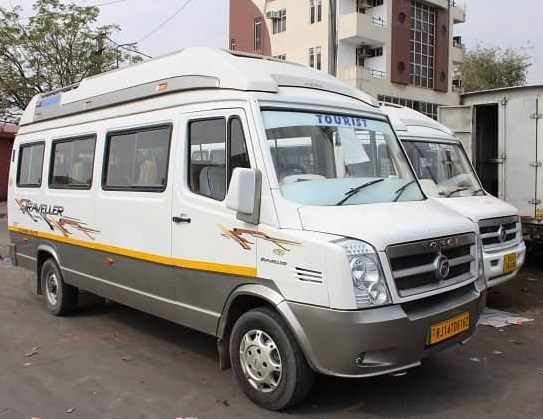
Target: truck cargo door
[(460, 120), (538, 120), (523, 159)]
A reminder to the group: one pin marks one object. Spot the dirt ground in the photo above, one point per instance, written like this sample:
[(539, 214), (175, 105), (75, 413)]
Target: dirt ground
[(524, 294), (108, 361)]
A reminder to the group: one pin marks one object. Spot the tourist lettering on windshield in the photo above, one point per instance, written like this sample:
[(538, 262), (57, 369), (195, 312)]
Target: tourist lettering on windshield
[(341, 121)]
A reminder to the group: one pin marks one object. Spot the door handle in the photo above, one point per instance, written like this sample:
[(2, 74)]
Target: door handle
[(183, 218)]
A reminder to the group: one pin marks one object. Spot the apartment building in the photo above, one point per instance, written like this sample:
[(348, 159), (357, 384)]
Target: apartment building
[(401, 51)]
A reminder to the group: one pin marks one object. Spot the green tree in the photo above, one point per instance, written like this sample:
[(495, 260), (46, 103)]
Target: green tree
[(57, 46), (486, 68)]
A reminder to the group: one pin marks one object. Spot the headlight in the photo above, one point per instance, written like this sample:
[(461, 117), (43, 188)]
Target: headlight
[(368, 280)]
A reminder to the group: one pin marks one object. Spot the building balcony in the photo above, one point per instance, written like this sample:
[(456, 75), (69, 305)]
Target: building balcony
[(458, 11), (457, 50), (443, 4), (360, 77), (360, 28)]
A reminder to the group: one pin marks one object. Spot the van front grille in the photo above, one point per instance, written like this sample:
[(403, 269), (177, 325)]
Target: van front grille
[(498, 232), (428, 265)]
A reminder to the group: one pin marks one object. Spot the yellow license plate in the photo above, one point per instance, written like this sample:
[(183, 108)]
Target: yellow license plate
[(449, 328), (509, 262)]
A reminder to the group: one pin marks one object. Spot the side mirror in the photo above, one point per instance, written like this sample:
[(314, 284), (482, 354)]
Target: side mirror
[(244, 194)]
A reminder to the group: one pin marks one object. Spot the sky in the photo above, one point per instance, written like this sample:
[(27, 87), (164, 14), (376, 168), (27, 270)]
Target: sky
[(163, 26), (506, 24), (158, 26)]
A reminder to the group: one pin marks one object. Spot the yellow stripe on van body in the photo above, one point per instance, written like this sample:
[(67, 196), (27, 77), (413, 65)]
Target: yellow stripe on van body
[(148, 257)]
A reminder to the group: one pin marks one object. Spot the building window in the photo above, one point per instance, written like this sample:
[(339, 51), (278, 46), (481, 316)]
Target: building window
[(315, 57), (72, 161), (315, 10), (280, 23), (30, 165), (427, 108), (422, 45), (137, 159), (258, 33)]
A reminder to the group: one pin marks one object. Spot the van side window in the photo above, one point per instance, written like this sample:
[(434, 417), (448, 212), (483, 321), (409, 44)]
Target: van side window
[(72, 161), (237, 148), (30, 165), (137, 159), (207, 168)]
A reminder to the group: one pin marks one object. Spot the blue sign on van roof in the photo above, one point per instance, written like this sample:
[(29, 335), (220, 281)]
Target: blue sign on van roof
[(49, 101)]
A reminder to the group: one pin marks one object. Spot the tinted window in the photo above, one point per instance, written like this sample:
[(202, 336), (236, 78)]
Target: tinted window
[(212, 160), (72, 163), (30, 165), (137, 159), (207, 168)]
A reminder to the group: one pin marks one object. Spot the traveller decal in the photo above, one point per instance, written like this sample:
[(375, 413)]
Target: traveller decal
[(238, 234), (53, 216)]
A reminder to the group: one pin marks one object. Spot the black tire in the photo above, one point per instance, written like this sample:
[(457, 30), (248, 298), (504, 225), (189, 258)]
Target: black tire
[(60, 298), (295, 379)]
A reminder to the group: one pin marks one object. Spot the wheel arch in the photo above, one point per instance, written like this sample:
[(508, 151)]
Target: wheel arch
[(248, 297), (44, 252)]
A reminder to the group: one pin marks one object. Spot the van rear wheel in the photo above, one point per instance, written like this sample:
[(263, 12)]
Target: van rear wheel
[(267, 361), (61, 298)]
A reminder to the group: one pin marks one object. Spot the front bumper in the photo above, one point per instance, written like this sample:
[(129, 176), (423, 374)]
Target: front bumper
[(363, 343), (493, 264)]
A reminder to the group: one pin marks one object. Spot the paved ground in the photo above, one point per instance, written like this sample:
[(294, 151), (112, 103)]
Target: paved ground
[(109, 361)]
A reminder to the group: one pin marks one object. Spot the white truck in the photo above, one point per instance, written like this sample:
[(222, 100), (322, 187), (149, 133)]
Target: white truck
[(502, 131), (231, 194), (446, 174)]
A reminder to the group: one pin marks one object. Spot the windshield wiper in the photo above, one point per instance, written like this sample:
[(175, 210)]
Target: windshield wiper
[(355, 190), (477, 191), (447, 194), (399, 192)]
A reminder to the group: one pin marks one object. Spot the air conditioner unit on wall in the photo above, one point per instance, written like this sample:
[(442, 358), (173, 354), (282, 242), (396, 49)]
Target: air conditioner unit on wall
[(273, 14), (363, 51), (365, 4)]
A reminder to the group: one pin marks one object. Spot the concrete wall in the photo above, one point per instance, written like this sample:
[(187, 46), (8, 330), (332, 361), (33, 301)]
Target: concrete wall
[(7, 134)]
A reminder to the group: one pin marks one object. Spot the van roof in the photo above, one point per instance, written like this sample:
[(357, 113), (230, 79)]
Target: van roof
[(402, 117), (188, 69)]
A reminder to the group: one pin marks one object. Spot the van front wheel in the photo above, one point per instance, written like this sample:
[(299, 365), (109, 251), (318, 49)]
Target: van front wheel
[(267, 361), (61, 298)]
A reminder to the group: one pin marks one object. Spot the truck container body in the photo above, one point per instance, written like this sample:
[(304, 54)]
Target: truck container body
[(502, 131)]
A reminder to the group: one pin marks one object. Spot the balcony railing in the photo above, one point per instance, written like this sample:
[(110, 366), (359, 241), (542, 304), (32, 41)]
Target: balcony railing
[(361, 28)]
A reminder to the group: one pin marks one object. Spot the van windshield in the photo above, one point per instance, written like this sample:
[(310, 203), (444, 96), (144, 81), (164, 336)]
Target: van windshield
[(337, 159), (443, 169)]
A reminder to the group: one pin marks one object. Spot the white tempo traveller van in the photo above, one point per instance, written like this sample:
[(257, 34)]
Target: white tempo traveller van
[(446, 174), (232, 194)]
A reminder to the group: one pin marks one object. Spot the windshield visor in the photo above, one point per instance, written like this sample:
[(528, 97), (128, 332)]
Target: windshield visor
[(443, 169), (325, 159)]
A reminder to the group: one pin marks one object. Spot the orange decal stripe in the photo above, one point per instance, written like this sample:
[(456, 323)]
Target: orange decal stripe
[(148, 257)]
